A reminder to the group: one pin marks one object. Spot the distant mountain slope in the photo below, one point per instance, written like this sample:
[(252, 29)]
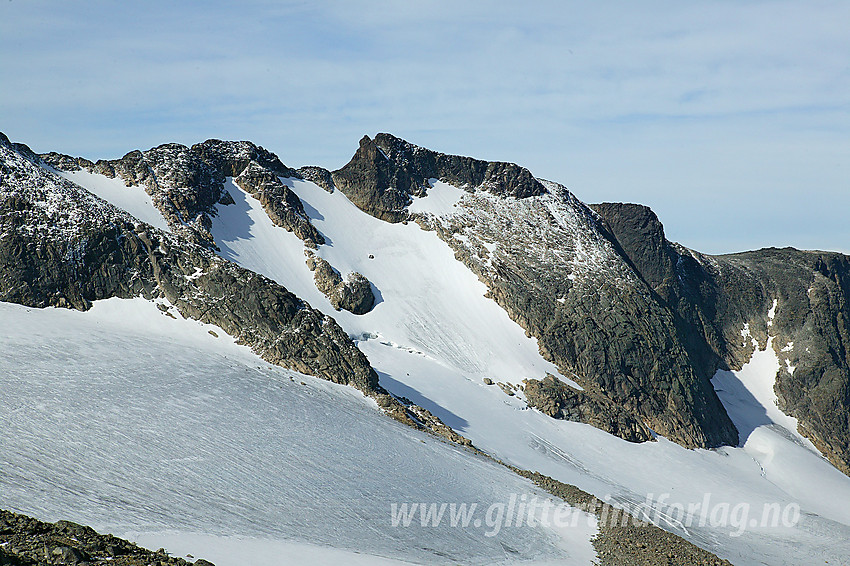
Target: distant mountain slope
[(643, 344), (638, 320), (713, 297), (555, 273)]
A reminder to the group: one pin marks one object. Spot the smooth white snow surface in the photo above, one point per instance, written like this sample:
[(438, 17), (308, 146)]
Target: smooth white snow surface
[(134, 422), (433, 336), (113, 190), (441, 198)]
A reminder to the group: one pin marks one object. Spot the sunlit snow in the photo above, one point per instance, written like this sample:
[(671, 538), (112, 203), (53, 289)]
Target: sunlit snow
[(137, 423), (132, 199), (441, 199)]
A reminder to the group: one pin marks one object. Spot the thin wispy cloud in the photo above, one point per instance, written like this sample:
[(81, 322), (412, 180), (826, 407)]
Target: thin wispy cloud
[(729, 118)]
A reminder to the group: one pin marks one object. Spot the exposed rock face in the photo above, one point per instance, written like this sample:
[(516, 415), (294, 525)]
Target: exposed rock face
[(319, 176), (66, 162), (186, 183), (25, 541), (640, 234), (62, 246), (354, 293), (257, 172), (714, 296), (811, 334), (554, 272), (547, 261), (386, 171), (558, 400), (683, 281)]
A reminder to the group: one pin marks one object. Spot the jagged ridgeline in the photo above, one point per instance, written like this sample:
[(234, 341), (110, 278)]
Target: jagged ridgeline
[(62, 246), (640, 323)]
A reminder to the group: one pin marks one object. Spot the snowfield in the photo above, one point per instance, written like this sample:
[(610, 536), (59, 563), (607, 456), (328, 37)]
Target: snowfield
[(427, 301), (140, 424), (113, 190), (242, 451)]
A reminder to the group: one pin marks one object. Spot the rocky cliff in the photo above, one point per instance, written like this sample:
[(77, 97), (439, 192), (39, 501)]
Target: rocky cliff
[(713, 297), (386, 171), (62, 246)]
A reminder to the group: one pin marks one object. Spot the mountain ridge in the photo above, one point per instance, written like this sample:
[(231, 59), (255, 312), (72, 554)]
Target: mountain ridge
[(697, 304), (633, 325)]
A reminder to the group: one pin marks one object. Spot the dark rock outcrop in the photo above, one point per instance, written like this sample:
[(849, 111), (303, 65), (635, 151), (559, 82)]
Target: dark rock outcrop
[(386, 171), (556, 275), (25, 541), (317, 175), (258, 173), (354, 293), (684, 281), (558, 400)]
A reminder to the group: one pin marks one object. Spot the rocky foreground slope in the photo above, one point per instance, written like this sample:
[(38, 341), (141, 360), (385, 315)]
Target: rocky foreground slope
[(25, 541)]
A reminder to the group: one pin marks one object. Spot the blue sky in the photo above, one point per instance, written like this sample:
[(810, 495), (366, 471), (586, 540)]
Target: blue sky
[(730, 118)]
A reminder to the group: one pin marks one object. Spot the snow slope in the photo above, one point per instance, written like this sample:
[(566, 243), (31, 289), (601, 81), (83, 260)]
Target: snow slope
[(441, 199), (749, 397), (113, 190), (426, 300), (134, 422)]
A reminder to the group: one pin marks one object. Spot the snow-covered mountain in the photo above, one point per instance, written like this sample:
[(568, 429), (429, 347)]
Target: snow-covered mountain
[(495, 317)]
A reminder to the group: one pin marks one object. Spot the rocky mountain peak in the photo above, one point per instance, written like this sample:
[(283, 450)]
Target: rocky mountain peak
[(187, 183), (385, 172), (232, 157), (641, 236)]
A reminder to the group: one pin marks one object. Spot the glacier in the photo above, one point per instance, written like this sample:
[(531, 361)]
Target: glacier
[(151, 427)]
